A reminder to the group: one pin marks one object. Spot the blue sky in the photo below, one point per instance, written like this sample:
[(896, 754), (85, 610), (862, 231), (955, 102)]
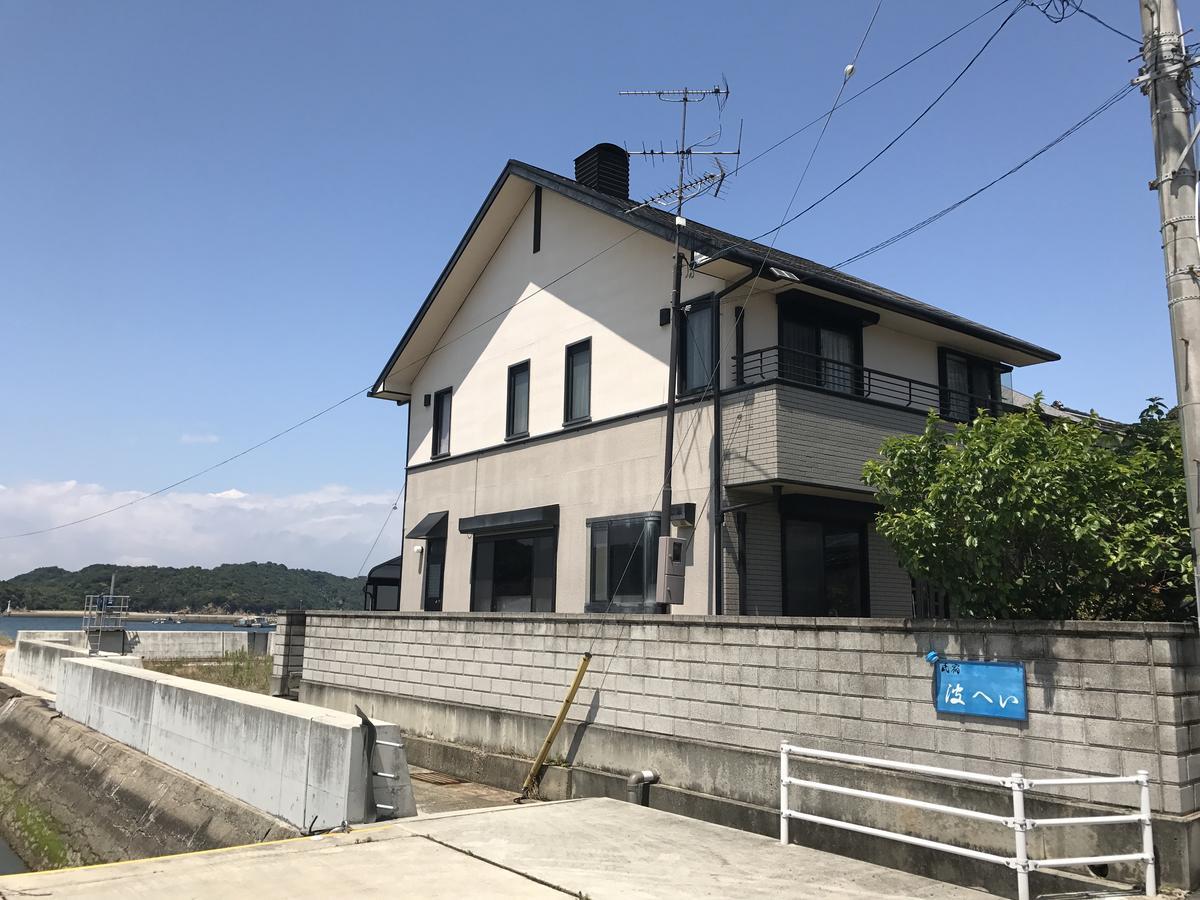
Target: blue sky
[(218, 218)]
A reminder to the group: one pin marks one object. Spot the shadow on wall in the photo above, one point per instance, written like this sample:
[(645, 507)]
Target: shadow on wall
[(582, 727)]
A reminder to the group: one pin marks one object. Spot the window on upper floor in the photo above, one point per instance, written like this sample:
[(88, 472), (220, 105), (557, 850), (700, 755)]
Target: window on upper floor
[(696, 347), (820, 350), (441, 422), (517, 417), (967, 384), (577, 399)]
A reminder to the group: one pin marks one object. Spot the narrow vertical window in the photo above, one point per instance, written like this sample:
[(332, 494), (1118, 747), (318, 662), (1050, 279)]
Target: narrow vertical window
[(537, 218), (517, 424), (577, 404), (696, 360), (435, 568), (441, 423)]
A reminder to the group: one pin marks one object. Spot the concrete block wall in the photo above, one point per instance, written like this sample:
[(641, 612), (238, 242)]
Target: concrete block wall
[(287, 652), (304, 764), (153, 644), (1103, 697)]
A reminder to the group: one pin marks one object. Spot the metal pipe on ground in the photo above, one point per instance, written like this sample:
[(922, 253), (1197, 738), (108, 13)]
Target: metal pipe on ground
[(637, 787)]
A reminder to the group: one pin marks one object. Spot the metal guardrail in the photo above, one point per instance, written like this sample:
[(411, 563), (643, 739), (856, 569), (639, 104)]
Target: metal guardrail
[(810, 370), (1018, 822)]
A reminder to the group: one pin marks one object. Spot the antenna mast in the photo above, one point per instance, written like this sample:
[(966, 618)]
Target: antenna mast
[(683, 96)]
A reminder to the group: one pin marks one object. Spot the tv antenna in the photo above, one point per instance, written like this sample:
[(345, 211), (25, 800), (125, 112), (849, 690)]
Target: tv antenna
[(681, 193)]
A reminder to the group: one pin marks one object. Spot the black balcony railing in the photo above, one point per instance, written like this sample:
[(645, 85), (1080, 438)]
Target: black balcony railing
[(813, 371)]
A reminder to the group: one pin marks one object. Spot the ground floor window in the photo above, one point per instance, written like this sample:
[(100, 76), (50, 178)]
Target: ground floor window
[(514, 572), (824, 568), (435, 574), (624, 563)]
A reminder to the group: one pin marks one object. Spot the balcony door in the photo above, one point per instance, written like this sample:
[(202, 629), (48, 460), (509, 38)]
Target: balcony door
[(819, 348)]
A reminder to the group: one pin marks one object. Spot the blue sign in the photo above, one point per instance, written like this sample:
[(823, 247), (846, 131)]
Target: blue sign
[(967, 687)]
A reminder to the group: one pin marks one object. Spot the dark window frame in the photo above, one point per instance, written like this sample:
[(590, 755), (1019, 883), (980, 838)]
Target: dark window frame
[(510, 433), (650, 562), (707, 305), (569, 385), (439, 411), (425, 563), (827, 511), (498, 536), (817, 315), (993, 394)]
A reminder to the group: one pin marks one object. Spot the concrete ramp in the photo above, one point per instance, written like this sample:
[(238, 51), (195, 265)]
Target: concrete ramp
[(600, 849), (305, 764)]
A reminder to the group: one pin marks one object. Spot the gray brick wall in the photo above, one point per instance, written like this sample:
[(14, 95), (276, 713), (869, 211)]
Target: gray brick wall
[(890, 585), (1103, 697), (794, 434)]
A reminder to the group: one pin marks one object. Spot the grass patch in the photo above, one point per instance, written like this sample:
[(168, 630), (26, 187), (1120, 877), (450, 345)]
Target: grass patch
[(241, 670)]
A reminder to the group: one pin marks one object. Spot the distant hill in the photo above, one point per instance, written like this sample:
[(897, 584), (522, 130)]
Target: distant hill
[(236, 587)]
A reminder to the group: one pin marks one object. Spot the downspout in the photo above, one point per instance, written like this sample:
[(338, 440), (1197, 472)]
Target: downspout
[(716, 503), (637, 784)]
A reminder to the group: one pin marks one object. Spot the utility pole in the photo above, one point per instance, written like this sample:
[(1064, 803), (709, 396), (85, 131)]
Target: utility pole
[(1164, 78), (683, 96)]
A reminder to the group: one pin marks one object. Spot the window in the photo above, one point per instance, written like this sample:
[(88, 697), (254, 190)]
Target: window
[(624, 563), (441, 423), (967, 384), (577, 404), (820, 342), (696, 348), (514, 572), (435, 574), (517, 422), (824, 568)]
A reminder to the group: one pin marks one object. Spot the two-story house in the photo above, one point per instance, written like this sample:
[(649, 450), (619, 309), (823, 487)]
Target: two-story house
[(535, 373)]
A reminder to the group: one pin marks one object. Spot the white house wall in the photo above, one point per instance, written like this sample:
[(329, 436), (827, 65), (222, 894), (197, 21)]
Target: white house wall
[(610, 470), (614, 301)]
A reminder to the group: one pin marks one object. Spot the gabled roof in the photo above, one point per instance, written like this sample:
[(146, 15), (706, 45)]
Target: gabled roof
[(708, 241)]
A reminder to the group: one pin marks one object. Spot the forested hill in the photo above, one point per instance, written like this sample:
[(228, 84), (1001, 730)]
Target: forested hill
[(237, 587)]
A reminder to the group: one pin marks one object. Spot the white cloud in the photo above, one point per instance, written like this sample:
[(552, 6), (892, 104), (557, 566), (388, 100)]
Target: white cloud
[(329, 528), (198, 439)]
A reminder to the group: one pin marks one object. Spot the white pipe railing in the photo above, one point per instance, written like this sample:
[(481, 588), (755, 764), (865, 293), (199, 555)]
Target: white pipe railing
[(1020, 825)]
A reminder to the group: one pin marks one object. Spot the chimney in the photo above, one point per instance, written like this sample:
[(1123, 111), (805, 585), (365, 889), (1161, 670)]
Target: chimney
[(604, 168)]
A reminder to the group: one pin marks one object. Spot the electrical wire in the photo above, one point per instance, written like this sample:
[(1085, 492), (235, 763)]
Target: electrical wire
[(386, 519), (886, 147), (955, 33), (181, 481)]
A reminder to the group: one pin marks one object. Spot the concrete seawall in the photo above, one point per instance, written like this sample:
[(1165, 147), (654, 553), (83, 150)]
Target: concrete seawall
[(69, 796), (305, 764), (37, 663)]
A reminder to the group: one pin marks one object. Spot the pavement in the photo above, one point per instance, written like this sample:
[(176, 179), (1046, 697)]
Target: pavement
[(596, 848)]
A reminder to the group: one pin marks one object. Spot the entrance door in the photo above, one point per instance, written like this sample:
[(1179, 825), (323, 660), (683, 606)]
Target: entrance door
[(824, 568)]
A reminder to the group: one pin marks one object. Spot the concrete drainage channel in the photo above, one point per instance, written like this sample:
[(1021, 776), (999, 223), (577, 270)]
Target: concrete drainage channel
[(107, 761)]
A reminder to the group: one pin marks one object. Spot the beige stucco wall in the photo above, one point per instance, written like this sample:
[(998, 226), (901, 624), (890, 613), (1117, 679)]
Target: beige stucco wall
[(614, 301), (602, 471)]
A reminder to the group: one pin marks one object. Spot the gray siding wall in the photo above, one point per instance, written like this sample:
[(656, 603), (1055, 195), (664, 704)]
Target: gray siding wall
[(891, 587), (799, 435)]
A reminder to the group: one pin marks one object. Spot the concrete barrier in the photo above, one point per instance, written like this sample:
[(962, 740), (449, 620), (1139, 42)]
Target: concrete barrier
[(305, 764), (194, 644), (38, 663)]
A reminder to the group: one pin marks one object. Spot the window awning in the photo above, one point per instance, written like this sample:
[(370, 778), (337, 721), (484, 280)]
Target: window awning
[(432, 526), (514, 520), (386, 572)]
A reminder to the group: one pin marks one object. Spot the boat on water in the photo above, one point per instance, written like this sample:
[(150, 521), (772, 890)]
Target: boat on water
[(253, 622)]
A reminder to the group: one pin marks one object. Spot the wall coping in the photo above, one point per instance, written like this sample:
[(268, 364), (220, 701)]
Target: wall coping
[(1074, 628)]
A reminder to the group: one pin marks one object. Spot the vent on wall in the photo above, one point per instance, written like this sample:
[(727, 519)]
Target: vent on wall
[(604, 168)]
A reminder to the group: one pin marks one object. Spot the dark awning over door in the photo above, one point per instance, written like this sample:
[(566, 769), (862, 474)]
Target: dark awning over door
[(432, 526), (514, 520)]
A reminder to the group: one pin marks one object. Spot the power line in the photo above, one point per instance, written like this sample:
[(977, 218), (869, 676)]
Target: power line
[(886, 147), (386, 519), (1101, 22), (955, 33), (1058, 11), (913, 229), (192, 477)]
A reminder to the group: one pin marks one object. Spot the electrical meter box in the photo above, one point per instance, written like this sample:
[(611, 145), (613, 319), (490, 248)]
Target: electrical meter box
[(671, 551)]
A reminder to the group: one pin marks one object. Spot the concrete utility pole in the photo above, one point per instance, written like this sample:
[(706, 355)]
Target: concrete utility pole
[(1164, 78)]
